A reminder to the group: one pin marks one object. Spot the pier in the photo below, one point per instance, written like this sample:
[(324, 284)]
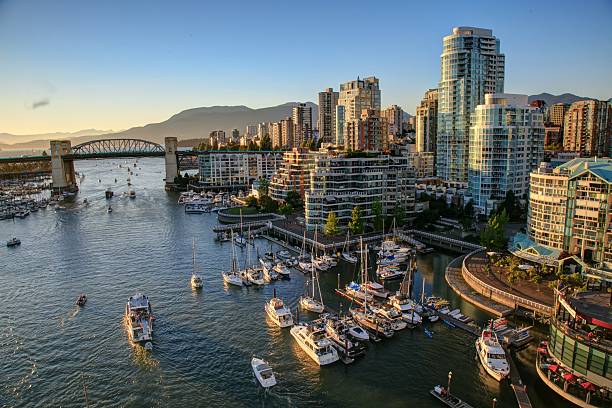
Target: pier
[(520, 390)]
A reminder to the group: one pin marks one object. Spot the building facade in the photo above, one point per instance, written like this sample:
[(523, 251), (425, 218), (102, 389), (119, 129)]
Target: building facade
[(237, 169), (301, 115), (328, 100), (286, 134), (339, 183), (556, 114), (293, 174), (570, 209), (394, 117), (339, 125), (217, 137), (358, 95), (506, 144), (587, 128), (368, 132), (472, 65), (426, 122)]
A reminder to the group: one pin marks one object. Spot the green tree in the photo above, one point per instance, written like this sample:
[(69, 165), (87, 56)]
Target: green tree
[(266, 142), (492, 236), (537, 279), (294, 199), (399, 213), (250, 201), (285, 209), (356, 222), (267, 204), (377, 210), (263, 187), (331, 226)]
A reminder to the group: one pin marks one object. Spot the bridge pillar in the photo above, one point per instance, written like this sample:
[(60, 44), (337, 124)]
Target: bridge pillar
[(171, 159), (62, 170)]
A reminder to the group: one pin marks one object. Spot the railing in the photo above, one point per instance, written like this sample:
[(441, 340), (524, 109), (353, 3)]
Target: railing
[(582, 336), (452, 241), (517, 300)]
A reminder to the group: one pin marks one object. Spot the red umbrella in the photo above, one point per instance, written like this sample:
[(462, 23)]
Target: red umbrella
[(589, 386), (542, 350), (553, 367), (569, 376)]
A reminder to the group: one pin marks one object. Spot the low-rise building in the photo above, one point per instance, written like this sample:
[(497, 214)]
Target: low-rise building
[(340, 182)]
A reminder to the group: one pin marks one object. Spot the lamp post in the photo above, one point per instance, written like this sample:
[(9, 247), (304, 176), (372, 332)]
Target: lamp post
[(450, 375), (494, 402)]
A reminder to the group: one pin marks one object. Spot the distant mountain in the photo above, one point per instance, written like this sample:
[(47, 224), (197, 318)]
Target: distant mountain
[(8, 138), (552, 99)]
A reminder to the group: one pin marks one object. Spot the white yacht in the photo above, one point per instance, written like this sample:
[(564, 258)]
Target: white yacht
[(278, 312), (263, 372), (139, 318), (315, 343), (268, 271), (492, 355)]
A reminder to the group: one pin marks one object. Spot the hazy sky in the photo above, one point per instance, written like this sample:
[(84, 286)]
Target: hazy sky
[(71, 65)]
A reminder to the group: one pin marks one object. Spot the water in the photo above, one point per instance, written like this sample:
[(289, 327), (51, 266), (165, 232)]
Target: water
[(203, 340)]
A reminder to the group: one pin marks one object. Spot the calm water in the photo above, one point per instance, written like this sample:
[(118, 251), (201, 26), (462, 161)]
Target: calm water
[(203, 340)]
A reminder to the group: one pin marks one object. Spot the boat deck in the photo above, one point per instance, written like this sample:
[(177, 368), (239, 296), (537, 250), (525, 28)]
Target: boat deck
[(451, 400)]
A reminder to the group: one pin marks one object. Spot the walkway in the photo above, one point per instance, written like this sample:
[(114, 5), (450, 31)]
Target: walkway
[(455, 280), (520, 390)]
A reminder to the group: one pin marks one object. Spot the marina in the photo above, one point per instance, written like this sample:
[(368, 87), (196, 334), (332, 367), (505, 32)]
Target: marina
[(204, 325)]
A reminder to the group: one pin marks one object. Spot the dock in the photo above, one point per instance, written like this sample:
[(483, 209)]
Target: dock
[(520, 390)]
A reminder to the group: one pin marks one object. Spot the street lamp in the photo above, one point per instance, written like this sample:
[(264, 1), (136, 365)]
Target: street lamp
[(450, 375), (494, 402)]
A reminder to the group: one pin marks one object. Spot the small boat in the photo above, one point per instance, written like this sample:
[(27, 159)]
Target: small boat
[(196, 279), (433, 318), (139, 317), (313, 340), (282, 270), (263, 372), (81, 300), (278, 312), (109, 209), (13, 242), (232, 277), (310, 302), (284, 254), (428, 332), (367, 319), (268, 271), (355, 331), (255, 277), (355, 290), (491, 354), (337, 331), (349, 258), (108, 194), (132, 194)]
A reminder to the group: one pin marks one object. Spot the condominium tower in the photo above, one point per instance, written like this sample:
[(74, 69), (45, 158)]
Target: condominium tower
[(587, 128), (328, 100), (506, 143), (471, 66), (302, 123), (427, 122), (355, 96)]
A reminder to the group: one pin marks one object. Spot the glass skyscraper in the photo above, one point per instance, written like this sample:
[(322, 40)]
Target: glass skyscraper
[(471, 66)]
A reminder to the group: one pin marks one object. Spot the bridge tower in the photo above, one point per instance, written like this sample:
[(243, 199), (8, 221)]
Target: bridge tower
[(62, 170), (171, 159)]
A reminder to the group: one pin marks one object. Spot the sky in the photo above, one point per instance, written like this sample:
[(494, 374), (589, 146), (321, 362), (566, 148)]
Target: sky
[(70, 65)]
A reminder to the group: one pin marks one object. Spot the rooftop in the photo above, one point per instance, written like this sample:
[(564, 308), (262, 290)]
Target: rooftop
[(595, 305), (601, 167)]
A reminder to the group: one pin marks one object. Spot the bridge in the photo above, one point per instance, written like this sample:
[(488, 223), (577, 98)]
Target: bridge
[(63, 155)]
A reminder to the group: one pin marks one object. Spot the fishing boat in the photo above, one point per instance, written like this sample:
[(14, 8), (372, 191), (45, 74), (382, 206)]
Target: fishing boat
[(232, 277), (13, 242), (309, 302), (81, 300), (491, 354), (278, 312), (313, 340), (263, 372), (139, 318), (196, 279)]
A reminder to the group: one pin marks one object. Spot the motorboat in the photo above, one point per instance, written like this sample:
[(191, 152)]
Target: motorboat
[(377, 289), (139, 318), (367, 319), (244, 276), (320, 264), (282, 270), (109, 209), (355, 331), (305, 266), (268, 271), (393, 317), (337, 331), (13, 242), (255, 277), (284, 254), (278, 312), (389, 272), (313, 340), (263, 372), (193, 208), (81, 300), (491, 354)]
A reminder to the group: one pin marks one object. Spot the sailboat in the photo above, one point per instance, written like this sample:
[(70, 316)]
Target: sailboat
[(239, 239), (232, 277), (253, 275), (346, 255), (196, 279), (310, 303)]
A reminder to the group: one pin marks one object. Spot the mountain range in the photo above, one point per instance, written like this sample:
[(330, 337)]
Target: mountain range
[(197, 123)]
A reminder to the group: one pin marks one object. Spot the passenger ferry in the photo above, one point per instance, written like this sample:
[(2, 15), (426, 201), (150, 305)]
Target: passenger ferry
[(139, 318), (491, 354), (313, 340)]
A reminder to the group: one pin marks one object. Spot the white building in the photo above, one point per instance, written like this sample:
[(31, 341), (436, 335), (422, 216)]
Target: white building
[(235, 169), (506, 143)]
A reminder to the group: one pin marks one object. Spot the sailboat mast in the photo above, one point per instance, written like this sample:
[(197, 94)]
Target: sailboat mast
[(193, 255)]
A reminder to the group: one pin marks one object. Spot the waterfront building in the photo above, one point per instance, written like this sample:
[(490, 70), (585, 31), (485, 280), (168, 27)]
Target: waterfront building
[(293, 173), (587, 128), (358, 95), (426, 122), (339, 126), (236, 169), (556, 114), (328, 100), (340, 182), (286, 134), (394, 117), (570, 216), (301, 116), (368, 132), (506, 143), (472, 65), (579, 348)]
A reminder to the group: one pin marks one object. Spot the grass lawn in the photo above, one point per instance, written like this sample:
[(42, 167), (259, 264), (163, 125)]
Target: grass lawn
[(245, 210)]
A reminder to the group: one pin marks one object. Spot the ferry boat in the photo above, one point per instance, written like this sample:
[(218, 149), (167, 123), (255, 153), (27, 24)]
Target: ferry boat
[(315, 343), (278, 312), (491, 354), (139, 317)]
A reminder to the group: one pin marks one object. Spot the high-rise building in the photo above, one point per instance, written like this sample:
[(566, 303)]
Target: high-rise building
[(217, 137), (358, 95), (556, 114), (293, 174), (287, 136), (328, 100), (302, 123), (275, 133), (365, 132), (263, 129), (394, 117), (339, 125), (587, 128), (427, 122), (237, 169), (506, 144), (472, 65), (251, 130), (235, 138)]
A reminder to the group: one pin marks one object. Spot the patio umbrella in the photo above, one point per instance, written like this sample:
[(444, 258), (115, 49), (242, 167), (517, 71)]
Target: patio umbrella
[(589, 386), (569, 377), (553, 368), (542, 350)]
